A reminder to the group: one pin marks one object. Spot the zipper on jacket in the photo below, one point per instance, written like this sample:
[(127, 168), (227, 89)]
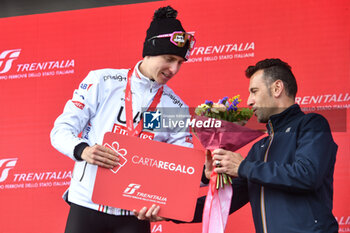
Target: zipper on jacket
[(151, 88), (262, 192), (82, 176)]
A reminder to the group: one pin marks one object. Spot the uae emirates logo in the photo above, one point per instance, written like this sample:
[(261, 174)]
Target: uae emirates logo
[(121, 155), (6, 59), (5, 166)]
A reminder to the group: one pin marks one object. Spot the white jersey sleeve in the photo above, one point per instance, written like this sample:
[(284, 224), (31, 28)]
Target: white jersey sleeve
[(75, 116)]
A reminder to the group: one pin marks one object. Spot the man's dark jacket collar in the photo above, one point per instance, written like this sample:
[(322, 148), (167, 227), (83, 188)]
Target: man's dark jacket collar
[(279, 120)]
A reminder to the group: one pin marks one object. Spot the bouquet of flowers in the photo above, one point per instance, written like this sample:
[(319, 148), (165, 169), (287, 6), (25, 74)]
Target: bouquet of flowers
[(226, 109), (231, 135)]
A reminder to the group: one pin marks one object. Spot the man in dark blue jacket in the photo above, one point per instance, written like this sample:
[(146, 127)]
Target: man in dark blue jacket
[(287, 176)]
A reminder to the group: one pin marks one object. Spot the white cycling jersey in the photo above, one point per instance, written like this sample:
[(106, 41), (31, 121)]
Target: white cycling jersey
[(97, 107)]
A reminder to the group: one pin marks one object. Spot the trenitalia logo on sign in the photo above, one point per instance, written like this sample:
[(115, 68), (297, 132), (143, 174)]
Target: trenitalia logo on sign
[(130, 192), (6, 59), (131, 188), (32, 69), (5, 166)]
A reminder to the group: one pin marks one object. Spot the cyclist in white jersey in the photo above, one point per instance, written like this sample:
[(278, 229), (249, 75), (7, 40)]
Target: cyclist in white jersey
[(99, 106)]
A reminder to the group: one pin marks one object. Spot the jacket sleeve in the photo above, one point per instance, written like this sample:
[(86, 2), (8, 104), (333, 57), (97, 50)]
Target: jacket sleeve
[(314, 158), (75, 116)]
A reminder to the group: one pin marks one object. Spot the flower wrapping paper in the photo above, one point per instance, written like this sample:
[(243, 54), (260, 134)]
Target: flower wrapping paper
[(230, 136)]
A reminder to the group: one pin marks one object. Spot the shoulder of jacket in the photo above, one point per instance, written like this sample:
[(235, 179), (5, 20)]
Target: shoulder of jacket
[(310, 117), (111, 76), (314, 120)]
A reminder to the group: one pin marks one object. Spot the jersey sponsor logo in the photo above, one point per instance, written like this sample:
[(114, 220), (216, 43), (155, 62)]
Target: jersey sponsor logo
[(121, 114), (5, 166), (120, 129), (147, 135), (85, 86), (116, 77), (174, 99), (78, 104), (77, 95), (6, 59), (87, 131)]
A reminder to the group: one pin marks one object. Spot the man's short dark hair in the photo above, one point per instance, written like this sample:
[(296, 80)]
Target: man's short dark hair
[(276, 69)]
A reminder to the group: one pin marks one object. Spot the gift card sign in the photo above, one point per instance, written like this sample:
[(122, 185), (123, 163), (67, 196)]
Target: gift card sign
[(150, 172)]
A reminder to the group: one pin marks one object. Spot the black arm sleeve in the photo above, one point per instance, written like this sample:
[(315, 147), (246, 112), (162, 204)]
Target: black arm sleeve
[(78, 150)]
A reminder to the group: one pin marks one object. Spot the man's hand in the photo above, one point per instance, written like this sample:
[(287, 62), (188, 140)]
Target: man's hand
[(226, 162), (208, 164), (101, 156), (151, 214)]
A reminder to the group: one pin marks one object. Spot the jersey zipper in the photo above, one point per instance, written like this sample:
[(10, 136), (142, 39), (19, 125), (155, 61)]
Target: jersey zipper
[(82, 175), (262, 192), (151, 88)]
